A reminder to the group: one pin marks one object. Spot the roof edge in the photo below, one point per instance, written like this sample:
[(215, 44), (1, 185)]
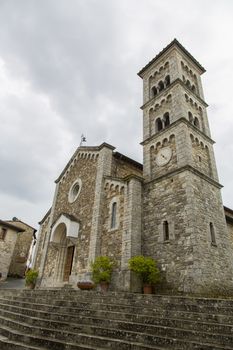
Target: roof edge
[(174, 42)]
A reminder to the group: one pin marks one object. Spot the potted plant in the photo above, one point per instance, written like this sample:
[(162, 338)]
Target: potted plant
[(30, 278), (102, 271), (147, 270)]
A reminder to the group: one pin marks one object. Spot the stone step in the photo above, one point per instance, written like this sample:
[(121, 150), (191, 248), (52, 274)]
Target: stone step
[(146, 336), (122, 298), (119, 315), (173, 311), (84, 341), (127, 308), (91, 320), (136, 323), (6, 344)]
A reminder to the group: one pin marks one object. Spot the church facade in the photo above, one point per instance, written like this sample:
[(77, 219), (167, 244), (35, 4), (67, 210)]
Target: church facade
[(169, 208)]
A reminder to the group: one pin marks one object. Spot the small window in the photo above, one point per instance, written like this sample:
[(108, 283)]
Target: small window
[(3, 233), (154, 91), (166, 119), (113, 215), (165, 231), (190, 117), (158, 124), (212, 234), (196, 123), (167, 80), (161, 85)]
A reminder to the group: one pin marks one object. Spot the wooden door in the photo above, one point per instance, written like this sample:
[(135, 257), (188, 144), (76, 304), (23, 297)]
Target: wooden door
[(68, 263)]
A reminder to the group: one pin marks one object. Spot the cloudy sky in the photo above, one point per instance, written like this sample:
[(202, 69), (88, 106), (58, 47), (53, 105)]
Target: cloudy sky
[(69, 67)]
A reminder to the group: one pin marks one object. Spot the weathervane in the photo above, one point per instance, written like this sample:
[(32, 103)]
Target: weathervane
[(83, 139)]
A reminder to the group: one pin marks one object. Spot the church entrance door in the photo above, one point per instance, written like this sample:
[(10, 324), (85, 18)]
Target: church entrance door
[(68, 263)]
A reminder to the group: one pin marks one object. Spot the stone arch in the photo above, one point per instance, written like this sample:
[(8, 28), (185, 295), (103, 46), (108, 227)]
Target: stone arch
[(172, 138), (59, 233), (165, 142)]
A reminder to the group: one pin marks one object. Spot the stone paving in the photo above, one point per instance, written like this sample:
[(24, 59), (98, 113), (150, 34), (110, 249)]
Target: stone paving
[(13, 283)]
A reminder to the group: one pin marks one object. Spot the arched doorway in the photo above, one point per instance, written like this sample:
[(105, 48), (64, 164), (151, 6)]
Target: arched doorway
[(64, 236), (65, 254)]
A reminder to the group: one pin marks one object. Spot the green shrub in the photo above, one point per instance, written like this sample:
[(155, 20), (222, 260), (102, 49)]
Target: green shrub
[(102, 269), (31, 277), (146, 268)]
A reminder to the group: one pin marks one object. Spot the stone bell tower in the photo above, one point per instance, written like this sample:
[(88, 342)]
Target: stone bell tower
[(184, 226)]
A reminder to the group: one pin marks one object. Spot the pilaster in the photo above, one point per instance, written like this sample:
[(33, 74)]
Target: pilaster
[(104, 167)]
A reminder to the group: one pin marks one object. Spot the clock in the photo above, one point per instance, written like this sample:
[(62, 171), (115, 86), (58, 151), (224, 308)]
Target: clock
[(163, 156)]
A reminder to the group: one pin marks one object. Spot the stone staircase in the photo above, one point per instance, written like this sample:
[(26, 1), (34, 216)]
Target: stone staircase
[(70, 319)]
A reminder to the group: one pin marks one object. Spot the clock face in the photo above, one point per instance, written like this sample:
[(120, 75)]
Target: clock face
[(163, 156)]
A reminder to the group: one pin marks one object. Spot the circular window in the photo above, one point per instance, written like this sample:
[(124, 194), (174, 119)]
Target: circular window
[(74, 190)]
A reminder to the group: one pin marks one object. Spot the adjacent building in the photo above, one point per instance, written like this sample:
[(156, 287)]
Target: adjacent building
[(16, 239)]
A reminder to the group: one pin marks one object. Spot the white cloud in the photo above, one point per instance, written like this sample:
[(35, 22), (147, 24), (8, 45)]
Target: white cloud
[(68, 68)]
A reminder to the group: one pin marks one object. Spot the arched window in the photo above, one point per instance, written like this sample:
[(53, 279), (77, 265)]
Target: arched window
[(190, 117), (161, 85), (196, 123), (154, 91), (113, 215), (212, 234), (167, 80), (165, 231), (166, 119), (193, 88), (158, 124), (188, 83)]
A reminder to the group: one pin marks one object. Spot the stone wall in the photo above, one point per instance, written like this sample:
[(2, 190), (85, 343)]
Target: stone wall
[(7, 246), (21, 250), (40, 244), (81, 209), (166, 200), (189, 260), (111, 238), (121, 168)]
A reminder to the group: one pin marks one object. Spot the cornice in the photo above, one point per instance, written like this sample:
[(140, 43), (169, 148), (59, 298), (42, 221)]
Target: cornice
[(185, 168), (172, 126), (166, 91)]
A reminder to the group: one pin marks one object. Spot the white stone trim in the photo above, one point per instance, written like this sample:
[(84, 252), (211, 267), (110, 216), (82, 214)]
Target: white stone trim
[(72, 229)]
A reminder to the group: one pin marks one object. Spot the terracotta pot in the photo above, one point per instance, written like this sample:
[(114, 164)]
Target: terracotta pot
[(31, 286), (147, 289), (104, 286), (85, 285)]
